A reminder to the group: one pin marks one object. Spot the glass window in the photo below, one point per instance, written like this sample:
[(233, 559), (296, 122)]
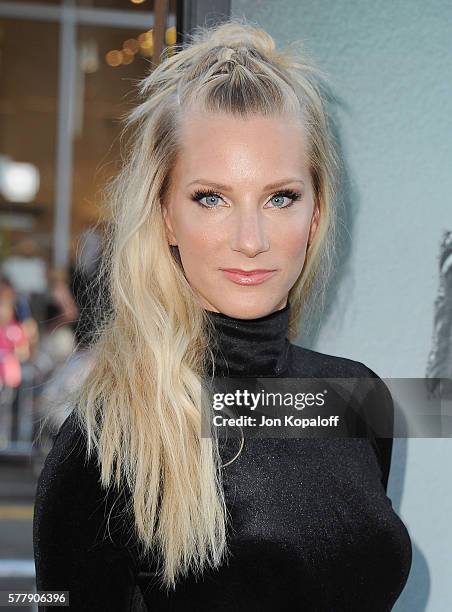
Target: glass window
[(111, 60), (28, 108)]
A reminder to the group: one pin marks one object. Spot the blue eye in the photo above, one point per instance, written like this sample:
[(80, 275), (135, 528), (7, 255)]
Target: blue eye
[(281, 195), (210, 194)]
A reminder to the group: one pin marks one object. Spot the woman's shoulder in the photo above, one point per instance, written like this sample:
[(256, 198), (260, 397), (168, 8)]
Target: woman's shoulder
[(81, 531), (68, 479), (71, 477), (369, 393), (364, 384), (68, 452), (308, 362), (70, 493)]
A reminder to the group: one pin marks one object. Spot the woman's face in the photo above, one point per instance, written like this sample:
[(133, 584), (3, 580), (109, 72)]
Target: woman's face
[(259, 214)]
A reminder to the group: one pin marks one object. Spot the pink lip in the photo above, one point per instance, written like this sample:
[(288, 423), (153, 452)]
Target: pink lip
[(254, 277)]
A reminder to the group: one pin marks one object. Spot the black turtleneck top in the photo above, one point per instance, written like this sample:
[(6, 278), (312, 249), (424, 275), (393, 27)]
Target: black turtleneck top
[(313, 527)]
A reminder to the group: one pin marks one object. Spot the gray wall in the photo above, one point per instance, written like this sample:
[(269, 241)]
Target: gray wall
[(390, 68)]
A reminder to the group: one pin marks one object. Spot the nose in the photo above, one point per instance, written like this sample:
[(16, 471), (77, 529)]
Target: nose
[(248, 234)]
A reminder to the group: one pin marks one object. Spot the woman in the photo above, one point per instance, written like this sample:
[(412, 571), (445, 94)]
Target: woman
[(231, 166)]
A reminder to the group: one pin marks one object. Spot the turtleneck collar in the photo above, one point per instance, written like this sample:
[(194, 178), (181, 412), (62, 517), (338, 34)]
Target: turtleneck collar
[(251, 347)]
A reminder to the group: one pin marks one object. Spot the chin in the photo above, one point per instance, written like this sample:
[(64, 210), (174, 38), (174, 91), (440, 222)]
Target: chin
[(253, 308)]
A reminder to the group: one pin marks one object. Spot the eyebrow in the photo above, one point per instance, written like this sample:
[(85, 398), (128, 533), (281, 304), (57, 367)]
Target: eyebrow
[(228, 188)]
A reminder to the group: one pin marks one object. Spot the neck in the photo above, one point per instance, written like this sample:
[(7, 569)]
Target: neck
[(251, 347)]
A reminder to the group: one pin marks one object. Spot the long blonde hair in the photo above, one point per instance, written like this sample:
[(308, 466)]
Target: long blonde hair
[(140, 405)]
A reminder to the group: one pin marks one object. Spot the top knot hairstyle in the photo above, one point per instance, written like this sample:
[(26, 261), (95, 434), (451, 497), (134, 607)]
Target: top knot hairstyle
[(140, 405)]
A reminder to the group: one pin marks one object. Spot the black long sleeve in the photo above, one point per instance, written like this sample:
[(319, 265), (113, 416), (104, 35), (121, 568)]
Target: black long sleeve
[(313, 529)]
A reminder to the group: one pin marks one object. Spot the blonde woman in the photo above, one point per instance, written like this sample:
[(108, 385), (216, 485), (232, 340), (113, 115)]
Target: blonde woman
[(222, 236)]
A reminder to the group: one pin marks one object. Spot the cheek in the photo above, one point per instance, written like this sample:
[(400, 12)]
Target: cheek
[(199, 241), (293, 240)]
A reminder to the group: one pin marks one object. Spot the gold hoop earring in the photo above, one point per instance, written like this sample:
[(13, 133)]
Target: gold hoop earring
[(240, 450)]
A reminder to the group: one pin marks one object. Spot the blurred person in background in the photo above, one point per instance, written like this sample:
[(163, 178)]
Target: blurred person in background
[(56, 347), (14, 349), (26, 269), (62, 313), (72, 311), (83, 284)]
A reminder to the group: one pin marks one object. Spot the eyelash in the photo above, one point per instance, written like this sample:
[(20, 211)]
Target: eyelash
[(203, 193)]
